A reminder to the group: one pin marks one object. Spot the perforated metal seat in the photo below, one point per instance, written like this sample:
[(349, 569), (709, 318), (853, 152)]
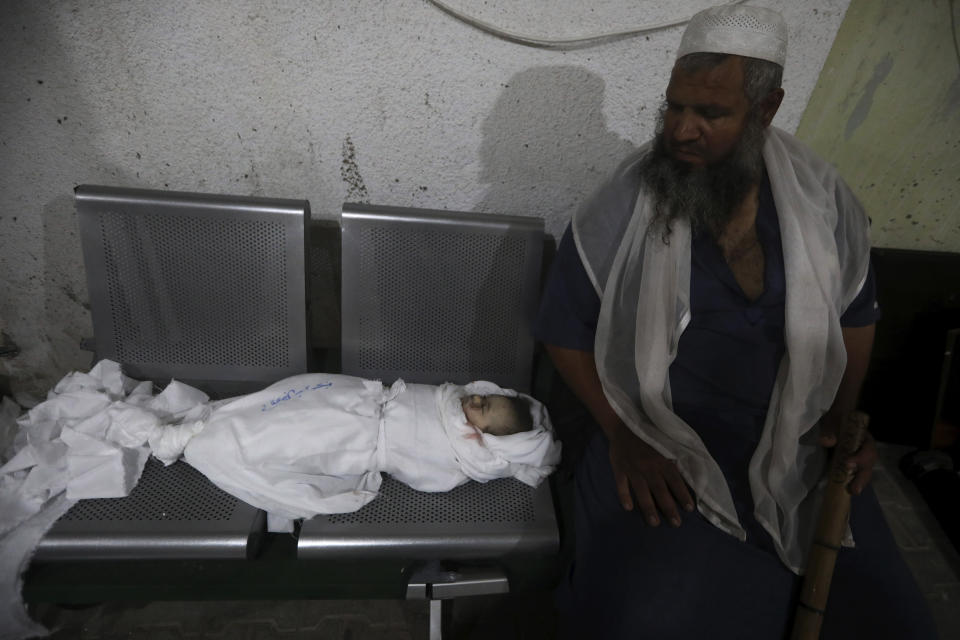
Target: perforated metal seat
[(207, 289), (432, 297), (173, 512), (474, 521)]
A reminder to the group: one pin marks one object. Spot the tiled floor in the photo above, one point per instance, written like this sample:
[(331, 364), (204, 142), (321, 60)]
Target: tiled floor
[(925, 547), (935, 563)]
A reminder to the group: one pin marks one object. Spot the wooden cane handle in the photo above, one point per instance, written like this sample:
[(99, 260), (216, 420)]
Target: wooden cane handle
[(831, 526), (849, 441)]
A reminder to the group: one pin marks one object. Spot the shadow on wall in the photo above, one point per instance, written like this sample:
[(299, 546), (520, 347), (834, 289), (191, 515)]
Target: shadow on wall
[(57, 281), (546, 145), (67, 319), (545, 148)]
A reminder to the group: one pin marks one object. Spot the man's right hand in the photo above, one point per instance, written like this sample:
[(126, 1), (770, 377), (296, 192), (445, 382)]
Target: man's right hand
[(655, 481)]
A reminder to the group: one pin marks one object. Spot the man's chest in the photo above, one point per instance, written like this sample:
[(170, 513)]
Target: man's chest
[(743, 254)]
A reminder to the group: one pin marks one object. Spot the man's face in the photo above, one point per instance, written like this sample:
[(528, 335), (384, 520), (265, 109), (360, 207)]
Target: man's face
[(706, 111)]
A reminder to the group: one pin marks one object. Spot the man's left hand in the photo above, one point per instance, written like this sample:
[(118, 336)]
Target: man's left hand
[(860, 463)]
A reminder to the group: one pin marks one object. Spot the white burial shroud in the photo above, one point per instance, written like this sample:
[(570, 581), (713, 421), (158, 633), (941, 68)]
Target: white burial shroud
[(317, 443)]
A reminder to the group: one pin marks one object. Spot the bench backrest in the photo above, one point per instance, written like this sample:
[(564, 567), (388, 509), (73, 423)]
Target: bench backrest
[(439, 296), (207, 289)]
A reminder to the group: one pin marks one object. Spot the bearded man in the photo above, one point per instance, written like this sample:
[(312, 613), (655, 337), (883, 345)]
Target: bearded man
[(713, 307)]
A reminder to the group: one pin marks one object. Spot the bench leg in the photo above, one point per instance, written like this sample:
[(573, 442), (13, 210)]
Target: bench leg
[(436, 619)]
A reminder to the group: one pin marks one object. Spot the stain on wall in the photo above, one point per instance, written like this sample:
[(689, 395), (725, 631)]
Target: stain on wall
[(350, 174), (864, 104), (886, 112)]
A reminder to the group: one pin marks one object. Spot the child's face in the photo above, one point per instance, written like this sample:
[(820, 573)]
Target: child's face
[(490, 414)]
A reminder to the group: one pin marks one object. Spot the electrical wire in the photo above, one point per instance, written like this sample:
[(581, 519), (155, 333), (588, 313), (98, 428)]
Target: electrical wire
[(578, 42)]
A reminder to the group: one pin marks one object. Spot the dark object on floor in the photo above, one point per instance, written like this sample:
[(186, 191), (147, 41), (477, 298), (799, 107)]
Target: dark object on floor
[(934, 472)]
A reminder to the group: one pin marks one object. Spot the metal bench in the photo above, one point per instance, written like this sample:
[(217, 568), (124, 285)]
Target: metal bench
[(428, 296)]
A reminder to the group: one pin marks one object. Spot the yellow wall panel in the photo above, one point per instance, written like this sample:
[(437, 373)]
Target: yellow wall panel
[(886, 112)]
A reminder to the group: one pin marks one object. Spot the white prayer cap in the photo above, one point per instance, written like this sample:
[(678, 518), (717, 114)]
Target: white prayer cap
[(754, 32)]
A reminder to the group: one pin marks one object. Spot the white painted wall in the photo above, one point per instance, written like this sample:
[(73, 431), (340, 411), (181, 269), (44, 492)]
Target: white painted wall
[(390, 102)]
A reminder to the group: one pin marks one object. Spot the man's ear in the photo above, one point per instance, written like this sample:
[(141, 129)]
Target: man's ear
[(769, 106)]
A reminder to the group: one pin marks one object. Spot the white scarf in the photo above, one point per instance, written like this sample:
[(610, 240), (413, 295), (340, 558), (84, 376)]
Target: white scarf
[(644, 285)]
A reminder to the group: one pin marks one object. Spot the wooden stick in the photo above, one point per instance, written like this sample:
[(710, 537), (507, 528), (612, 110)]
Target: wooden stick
[(834, 515)]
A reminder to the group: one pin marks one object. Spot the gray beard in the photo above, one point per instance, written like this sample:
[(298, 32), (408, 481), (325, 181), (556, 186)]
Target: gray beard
[(707, 196)]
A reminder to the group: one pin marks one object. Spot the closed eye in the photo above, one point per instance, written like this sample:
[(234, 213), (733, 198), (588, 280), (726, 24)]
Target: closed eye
[(712, 113)]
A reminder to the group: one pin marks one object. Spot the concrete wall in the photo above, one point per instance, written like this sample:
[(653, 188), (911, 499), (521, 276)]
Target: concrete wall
[(887, 112), (386, 102)]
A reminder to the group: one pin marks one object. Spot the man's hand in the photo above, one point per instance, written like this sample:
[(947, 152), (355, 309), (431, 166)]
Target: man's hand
[(861, 462), (655, 481), (858, 342)]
